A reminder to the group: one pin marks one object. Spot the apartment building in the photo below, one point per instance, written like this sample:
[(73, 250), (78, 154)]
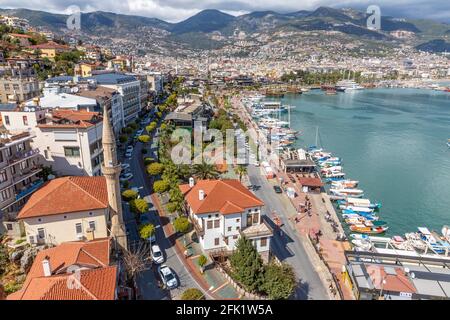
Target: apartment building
[(129, 88), (49, 50), (68, 140), (18, 89), (19, 177), (224, 210)]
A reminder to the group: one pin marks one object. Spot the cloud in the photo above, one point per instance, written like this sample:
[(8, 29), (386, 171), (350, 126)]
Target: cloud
[(176, 10)]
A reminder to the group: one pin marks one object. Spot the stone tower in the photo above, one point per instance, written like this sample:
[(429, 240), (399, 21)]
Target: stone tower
[(111, 171)]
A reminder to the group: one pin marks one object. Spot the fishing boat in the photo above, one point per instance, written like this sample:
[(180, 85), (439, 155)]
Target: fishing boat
[(359, 236), (331, 169), (357, 202), (346, 183), (356, 209), (356, 215), (334, 175), (350, 192), (416, 242), (362, 244), (347, 86), (429, 238), (360, 228)]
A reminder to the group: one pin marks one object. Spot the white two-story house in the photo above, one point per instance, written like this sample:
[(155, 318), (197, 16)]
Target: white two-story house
[(222, 211)]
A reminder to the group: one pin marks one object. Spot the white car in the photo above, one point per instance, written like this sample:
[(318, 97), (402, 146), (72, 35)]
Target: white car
[(125, 166), (167, 277), (126, 176), (129, 154), (157, 255), (130, 149)]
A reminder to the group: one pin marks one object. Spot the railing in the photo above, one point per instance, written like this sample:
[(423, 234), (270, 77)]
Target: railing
[(22, 155), (33, 187), (200, 230), (25, 173)]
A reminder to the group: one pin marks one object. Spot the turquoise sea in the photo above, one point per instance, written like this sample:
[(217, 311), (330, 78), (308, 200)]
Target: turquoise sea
[(393, 141)]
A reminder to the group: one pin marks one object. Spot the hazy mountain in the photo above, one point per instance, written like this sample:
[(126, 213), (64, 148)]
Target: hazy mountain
[(204, 21), (437, 45)]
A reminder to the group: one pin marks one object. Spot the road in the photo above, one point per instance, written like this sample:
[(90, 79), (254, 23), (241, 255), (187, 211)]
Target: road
[(287, 246), (150, 290)]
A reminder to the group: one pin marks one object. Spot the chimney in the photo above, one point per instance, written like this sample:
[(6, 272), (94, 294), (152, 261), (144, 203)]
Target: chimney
[(191, 182), (201, 195), (46, 267)]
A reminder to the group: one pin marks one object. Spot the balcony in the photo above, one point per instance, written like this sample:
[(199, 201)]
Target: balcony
[(23, 155), (30, 189), (198, 229), (26, 173)]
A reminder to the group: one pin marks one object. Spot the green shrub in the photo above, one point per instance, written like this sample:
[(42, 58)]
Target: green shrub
[(192, 294), (138, 205), (146, 230), (155, 168), (123, 138), (127, 130), (133, 125), (161, 186), (202, 260), (159, 114), (126, 184), (19, 241), (163, 126), (144, 138), (181, 224), (129, 194), (12, 287)]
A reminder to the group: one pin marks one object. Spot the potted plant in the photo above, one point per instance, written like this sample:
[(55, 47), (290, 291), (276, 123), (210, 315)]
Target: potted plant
[(202, 260)]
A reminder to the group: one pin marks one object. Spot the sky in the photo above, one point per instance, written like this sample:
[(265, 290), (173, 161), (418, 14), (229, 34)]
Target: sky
[(177, 10)]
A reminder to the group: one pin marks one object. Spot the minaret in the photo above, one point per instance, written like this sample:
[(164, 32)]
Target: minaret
[(111, 171)]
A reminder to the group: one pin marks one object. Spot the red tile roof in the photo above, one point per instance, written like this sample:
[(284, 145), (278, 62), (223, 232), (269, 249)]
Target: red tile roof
[(311, 182), (66, 195), (50, 45), (96, 282), (224, 196)]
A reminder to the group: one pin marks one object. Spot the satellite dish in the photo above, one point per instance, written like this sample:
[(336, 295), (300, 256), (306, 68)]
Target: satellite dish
[(75, 89)]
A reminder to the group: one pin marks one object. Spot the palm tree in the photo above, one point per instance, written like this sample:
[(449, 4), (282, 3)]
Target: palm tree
[(240, 170), (205, 171)]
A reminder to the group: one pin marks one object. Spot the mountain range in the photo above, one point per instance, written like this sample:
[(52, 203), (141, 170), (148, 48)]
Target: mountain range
[(347, 21)]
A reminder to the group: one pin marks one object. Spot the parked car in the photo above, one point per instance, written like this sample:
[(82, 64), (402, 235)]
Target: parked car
[(126, 176), (157, 255), (167, 277), (130, 149), (277, 189), (125, 166), (139, 132)]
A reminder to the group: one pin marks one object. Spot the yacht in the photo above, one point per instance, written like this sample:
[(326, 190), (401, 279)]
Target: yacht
[(347, 86)]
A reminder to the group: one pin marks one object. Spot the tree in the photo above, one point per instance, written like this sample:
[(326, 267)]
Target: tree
[(155, 168), (181, 224), (161, 186), (144, 138), (4, 259), (129, 194), (247, 266), (146, 230), (192, 294), (148, 160), (279, 281), (202, 260), (135, 261), (240, 170), (139, 206), (205, 171), (123, 138)]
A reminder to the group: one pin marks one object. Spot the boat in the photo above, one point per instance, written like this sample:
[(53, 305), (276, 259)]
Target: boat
[(359, 236), (334, 175), (448, 143), (356, 215), (360, 228), (357, 202), (331, 169), (429, 238), (416, 242), (347, 191), (347, 86), (330, 92), (362, 244), (346, 183), (356, 209)]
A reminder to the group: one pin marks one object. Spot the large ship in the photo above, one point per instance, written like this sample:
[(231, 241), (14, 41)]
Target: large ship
[(347, 85)]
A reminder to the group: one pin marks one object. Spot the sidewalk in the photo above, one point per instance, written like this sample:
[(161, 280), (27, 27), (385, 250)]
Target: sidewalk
[(211, 281)]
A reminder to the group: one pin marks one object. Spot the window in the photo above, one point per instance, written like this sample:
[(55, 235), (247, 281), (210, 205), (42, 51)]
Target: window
[(209, 224), (79, 228), (249, 219), (9, 226), (25, 120), (255, 218), (46, 154), (238, 228), (92, 225), (72, 151), (5, 194), (216, 241), (229, 229), (263, 242), (235, 236), (217, 223), (23, 165), (238, 220), (3, 176), (41, 233), (7, 120)]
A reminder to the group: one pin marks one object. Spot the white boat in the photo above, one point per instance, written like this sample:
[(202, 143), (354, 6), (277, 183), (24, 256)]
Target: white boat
[(362, 244), (345, 183), (332, 169), (347, 191), (356, 209), (359, 236), (347, 86), (334, 175)]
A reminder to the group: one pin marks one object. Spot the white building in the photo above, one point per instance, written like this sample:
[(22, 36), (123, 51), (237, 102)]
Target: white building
[(222, 211), (54, 98), (69, 141)]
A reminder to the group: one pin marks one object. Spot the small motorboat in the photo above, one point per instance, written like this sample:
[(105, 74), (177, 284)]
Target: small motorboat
[(361, 228), (350, 192), (356, 209), (345, 183), (359, 236), (362, 244)]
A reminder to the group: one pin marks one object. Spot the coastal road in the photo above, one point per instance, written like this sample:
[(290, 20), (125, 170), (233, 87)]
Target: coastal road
[(287, 246), (172, 260)]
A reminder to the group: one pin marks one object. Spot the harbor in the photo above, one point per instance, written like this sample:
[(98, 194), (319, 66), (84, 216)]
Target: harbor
[(359, 227)]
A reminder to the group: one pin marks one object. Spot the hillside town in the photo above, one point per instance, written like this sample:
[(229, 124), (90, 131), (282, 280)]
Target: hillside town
[(94, 207)]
